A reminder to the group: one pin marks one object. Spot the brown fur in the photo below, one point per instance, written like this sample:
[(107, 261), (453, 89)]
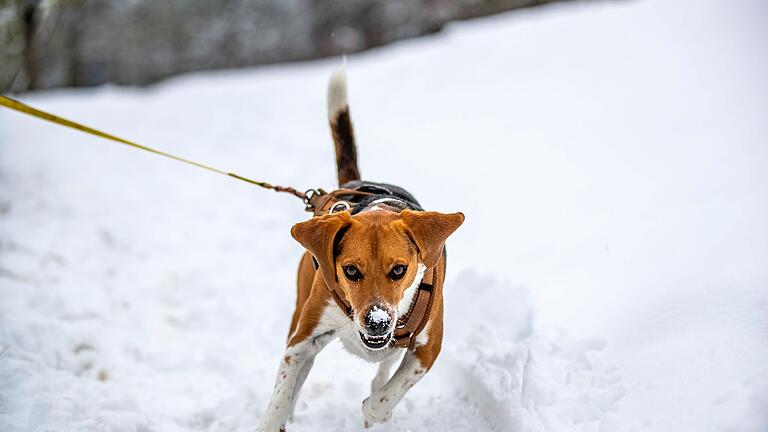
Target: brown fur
[(304, 287), (346, 151), (374, 242), (310, 306)]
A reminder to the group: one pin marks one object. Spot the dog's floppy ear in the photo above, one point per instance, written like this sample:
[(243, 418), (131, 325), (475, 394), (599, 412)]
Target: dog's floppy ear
[(318, 236), (429, 230)]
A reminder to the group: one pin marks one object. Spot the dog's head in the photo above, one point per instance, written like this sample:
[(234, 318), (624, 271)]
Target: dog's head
[(374, 257)]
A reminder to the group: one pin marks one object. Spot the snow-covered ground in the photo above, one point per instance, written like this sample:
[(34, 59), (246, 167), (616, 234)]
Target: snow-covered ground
[(612, 275)]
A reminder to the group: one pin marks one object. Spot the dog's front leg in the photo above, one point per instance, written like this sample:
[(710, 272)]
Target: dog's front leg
[(293, 370), (299, 383), (378, 407), (382, 375)]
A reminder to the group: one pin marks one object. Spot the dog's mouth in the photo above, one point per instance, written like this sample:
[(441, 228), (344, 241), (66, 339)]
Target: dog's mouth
[(375, 342)]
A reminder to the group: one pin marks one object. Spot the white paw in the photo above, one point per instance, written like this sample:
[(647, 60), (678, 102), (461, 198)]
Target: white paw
[(376, 410)]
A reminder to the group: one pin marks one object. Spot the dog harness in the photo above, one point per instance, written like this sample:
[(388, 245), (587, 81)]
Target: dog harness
[(357, 196)]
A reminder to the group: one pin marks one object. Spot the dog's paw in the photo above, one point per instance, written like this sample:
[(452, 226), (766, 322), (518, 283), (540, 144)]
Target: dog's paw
[(375, 411)]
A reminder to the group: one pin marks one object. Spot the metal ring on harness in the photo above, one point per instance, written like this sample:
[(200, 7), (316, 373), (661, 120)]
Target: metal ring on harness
[(339, 207), (308, 195)]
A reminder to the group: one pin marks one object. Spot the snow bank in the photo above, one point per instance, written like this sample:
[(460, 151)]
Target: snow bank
[(525, 382), (539, 385)]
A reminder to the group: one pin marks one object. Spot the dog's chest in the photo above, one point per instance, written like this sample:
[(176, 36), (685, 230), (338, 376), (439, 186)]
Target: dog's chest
[(350, 339), (334, 319)]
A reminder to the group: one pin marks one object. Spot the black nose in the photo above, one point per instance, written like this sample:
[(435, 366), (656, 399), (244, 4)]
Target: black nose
[(377, 321)]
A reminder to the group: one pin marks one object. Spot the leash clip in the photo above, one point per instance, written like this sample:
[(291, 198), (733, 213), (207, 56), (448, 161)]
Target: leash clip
[(310, 196)]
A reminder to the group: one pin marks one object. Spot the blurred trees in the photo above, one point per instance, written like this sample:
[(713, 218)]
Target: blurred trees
[(55, 43), (12, 41)]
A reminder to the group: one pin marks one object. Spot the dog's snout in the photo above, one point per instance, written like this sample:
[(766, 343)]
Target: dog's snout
[(377, 321)]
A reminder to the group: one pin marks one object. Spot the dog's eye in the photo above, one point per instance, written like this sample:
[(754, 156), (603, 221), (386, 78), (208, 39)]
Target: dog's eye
[(397, 272), (352, 273)]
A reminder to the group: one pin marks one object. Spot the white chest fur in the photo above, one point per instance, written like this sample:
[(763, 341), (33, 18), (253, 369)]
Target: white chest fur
[(334, 319)]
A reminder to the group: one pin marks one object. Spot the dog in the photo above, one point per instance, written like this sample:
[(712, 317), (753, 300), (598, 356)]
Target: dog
[(372, 276)]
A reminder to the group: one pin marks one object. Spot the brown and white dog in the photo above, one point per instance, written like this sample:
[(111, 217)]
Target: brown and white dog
[(360, 278)]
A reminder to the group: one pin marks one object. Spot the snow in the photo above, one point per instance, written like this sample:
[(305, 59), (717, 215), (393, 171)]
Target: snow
[(610, 159), (378, 315)]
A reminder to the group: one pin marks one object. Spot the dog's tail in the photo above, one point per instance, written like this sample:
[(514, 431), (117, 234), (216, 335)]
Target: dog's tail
[(341, 127)]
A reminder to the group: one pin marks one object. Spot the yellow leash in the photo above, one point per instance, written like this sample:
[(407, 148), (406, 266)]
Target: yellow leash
[(26, 109)]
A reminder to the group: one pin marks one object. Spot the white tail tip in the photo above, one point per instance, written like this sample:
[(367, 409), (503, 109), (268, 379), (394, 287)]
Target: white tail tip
[(337, 92)]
